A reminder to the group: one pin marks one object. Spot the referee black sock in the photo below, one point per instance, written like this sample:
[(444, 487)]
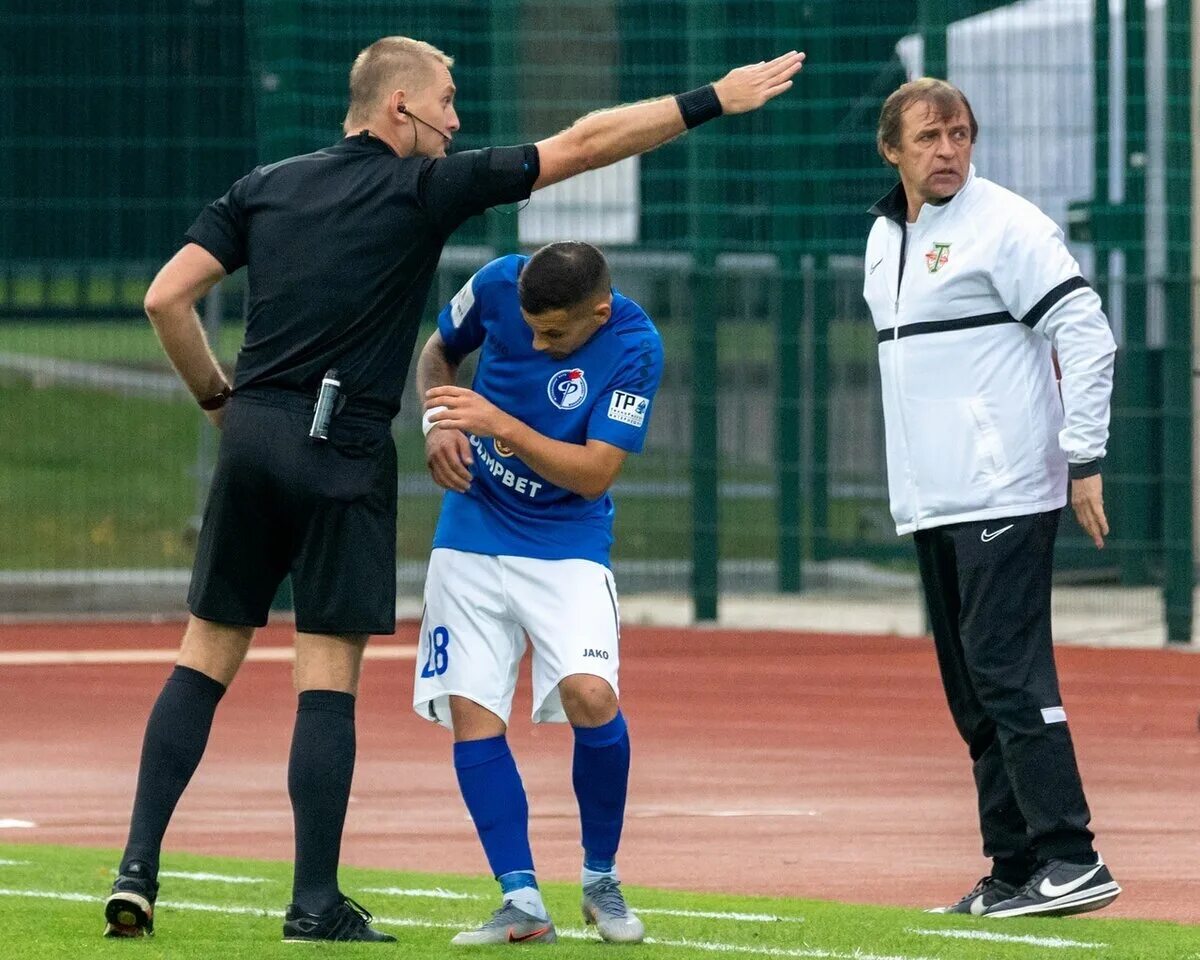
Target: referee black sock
[(319, 773), (176, 735)]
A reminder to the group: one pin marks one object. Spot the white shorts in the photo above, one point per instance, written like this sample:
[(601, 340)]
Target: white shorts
[(478, 611)]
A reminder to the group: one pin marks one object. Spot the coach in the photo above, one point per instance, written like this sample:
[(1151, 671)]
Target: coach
[(340, 247), (973, 292)]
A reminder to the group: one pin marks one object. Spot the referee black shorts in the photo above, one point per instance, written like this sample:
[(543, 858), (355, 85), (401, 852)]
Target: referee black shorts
[(281, 503)]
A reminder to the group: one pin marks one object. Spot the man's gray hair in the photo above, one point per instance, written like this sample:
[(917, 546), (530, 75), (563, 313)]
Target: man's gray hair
[(387, 64), (942, 97)]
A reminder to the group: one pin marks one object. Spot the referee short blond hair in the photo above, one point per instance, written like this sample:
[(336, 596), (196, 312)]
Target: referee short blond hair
[(386, 65)]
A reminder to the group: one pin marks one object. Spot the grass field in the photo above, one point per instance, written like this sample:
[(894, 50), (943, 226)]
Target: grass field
[(101, 481), (232, 909)]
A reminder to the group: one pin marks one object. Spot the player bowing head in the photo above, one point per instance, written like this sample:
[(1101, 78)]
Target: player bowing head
[(563, 390), (566, 296)]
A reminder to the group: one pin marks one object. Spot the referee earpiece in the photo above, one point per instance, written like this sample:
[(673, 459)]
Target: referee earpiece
[(402, 109)]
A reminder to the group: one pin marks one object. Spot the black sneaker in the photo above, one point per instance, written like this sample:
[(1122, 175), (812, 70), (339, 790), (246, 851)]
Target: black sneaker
[(1060, 888), (345, 920), (129, 910), (985, 894)]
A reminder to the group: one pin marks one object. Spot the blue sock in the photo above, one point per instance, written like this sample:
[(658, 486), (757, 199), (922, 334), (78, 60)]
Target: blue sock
[(495, 797), (601, 777)]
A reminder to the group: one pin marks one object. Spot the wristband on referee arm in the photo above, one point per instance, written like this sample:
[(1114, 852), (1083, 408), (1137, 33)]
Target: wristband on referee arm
[(217, 400), (426, 423), (699, 106)]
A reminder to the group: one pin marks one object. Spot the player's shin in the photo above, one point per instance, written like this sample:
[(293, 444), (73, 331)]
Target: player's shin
[(601, 777), (495, 797)]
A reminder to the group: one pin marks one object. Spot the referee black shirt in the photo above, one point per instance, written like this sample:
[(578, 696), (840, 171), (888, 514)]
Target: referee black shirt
[(341, 246)]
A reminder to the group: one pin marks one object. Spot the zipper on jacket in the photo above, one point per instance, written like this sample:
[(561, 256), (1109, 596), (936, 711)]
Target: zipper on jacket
[(900, 275), (912, 480)]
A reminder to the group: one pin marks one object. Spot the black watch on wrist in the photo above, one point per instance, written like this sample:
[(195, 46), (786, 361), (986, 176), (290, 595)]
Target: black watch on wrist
[(217, 400)]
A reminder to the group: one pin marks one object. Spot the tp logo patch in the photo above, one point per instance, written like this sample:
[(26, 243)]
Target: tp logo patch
[(567, 389), (937, 257), (628, 408), (462, 303)]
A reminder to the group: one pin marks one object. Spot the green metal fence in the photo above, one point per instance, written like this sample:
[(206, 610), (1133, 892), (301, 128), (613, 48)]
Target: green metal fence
[(764, 470)]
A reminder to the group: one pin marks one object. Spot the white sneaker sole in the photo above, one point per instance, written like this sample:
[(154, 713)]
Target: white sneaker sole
[(1084, 901)]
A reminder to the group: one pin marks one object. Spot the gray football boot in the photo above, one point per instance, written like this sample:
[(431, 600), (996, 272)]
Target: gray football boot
[(509, 924), (605, 907)]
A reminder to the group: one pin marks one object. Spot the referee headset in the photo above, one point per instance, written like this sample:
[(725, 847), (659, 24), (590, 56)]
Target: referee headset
[(401, 108)]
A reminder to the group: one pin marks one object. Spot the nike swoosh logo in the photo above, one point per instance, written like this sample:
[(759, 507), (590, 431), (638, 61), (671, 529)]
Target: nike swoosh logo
[(978, 906), (513, 938), (989, 537), (1048, 889), (875, 264)]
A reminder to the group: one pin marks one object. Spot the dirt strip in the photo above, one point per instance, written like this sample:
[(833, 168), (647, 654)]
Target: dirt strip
[(775, 763)]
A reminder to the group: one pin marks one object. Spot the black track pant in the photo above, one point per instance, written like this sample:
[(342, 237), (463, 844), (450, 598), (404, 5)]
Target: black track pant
[(987, 585)]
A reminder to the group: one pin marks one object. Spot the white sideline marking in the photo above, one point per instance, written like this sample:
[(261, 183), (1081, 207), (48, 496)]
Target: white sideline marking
[(1007, 938), (218, 877), (16, 824), (716, 915), (66, 658), (14, 863), (813, 953), (437, 893)]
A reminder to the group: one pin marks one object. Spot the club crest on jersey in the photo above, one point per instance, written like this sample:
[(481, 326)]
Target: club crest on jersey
[(937, 257), (567, 389), (502, 449)]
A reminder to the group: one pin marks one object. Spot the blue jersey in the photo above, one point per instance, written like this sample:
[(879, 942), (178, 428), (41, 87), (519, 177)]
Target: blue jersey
[(603, 391)]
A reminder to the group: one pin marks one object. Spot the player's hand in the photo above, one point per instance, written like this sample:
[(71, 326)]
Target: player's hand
[(1087, 499), (466, 410), (216, 417), (748, 88), (448, 457)]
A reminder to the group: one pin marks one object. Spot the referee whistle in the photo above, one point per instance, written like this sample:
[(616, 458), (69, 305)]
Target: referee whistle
[(323, 408)]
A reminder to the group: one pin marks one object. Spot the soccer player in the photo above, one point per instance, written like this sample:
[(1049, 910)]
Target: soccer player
[(562, 394)]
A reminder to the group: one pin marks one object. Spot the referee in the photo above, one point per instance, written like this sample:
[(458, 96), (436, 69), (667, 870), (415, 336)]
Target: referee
[(973, 293), (340, 246)]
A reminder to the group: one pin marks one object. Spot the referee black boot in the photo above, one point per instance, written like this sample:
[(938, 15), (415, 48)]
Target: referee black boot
[(129, 910), (345, 921)]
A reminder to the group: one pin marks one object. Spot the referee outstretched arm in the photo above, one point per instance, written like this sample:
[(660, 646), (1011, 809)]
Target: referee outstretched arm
[(607, 136), (340, 246)]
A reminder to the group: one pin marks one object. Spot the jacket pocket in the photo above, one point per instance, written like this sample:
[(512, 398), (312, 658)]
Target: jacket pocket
[(955, 452)]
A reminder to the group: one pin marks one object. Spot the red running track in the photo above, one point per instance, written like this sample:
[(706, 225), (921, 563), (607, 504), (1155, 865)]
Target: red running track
[(787, 764)]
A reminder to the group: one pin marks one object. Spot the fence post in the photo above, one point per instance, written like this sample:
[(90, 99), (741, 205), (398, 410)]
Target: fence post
[(1177, 427), (503, 226), (704, 45)]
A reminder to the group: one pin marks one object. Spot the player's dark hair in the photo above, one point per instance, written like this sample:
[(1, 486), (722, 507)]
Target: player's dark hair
[(943, 98), (562, 275)]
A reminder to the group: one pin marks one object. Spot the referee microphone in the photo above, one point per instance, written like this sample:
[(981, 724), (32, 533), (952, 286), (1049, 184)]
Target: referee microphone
[(408, 113)]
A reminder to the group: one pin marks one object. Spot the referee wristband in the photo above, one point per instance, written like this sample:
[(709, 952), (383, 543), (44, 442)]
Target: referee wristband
[(217, 400), (426, 423), (699, 106)]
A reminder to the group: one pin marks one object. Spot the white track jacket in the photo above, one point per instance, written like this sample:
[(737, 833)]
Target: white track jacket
[(970, 304)]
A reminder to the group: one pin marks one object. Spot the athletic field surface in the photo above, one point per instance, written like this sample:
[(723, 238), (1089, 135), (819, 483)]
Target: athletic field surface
[(230, 908), (812, 778)]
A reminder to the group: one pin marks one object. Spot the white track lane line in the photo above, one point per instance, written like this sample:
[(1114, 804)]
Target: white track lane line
[(801, 953), (9, 824), (67, 658), (1055, 942)]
